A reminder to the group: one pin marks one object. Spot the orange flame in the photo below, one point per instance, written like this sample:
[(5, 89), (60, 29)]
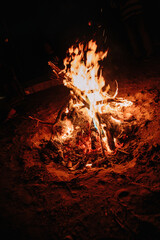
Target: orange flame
[(83, 71), (85, 66)]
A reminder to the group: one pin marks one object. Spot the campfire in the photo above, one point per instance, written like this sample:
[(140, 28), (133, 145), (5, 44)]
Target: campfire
[(91, 121), (79, 162)]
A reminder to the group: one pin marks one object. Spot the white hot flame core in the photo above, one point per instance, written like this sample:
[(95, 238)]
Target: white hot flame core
[(84, 67)]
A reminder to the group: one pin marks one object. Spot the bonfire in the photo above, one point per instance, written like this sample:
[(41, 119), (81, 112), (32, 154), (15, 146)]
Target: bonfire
[(91, 119)]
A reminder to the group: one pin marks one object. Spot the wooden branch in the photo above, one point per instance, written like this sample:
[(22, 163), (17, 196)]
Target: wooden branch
[(78, 93)]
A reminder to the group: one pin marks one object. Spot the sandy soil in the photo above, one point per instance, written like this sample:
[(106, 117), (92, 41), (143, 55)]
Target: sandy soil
[(42, 199)]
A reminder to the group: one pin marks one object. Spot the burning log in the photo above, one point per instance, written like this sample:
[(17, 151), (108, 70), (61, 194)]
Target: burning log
[(80, 95)]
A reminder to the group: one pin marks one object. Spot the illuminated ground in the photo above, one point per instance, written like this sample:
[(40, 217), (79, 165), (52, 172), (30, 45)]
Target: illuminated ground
[(41, 199)]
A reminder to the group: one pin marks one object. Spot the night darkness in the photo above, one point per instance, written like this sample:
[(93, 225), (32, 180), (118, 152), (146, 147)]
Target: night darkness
[(29, 26), (75, 189)]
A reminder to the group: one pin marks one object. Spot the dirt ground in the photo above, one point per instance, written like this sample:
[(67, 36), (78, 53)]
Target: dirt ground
[(41, 199)]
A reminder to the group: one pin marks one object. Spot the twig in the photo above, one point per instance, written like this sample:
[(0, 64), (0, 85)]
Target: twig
[(122, 151), (40, 121), (57, 118)]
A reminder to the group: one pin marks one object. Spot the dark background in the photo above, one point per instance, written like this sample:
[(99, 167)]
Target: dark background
[(26, 27)]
